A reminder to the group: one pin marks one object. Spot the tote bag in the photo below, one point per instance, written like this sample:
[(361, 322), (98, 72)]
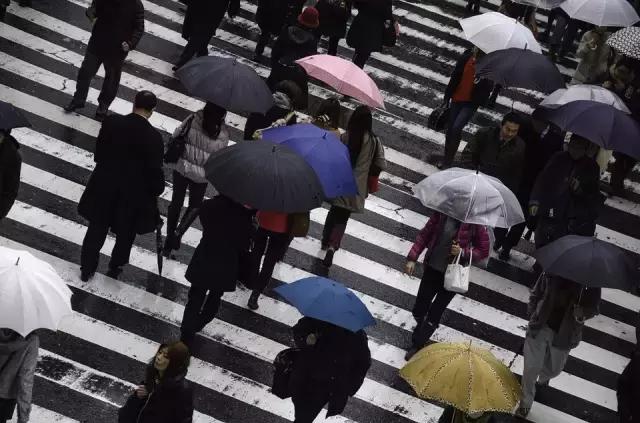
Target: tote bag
[(456, 277)]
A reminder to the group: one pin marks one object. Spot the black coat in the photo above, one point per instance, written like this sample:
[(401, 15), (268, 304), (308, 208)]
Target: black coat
[(334, 15), (293, 43), (10, 164), (333, 368), (367, 29), (629, 391), (123, 189), (168, 402), (538, 152), (482, 88), (116, 21), (203, 17), (291, 71), (273, 15), (226, 231)]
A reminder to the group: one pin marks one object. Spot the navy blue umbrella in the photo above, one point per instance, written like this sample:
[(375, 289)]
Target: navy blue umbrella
[(10, 117), (600, 123)]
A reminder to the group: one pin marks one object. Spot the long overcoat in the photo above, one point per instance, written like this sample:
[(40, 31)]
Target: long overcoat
[(367, 28)]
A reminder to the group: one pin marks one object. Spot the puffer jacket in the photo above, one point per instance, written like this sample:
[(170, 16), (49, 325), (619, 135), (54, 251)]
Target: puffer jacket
[(199, 146), (18, 359), (468, 236)]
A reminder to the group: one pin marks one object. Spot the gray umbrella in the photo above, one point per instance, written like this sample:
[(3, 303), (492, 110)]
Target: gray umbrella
[(10, 117), (227, 83), (265, 176), (626, 42)]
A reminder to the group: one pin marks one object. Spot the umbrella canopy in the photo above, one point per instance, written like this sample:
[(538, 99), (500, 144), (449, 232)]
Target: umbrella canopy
[(584, 92), (626, 41), (602, 12), (227, 83), (10, 117), (541, 4), (600, 123), (323, 151), (265, 176), (329, 301), (521, 69), (470, 197), (343, 76), (466, 377), (589, 261), (32, 294), (493, 31)]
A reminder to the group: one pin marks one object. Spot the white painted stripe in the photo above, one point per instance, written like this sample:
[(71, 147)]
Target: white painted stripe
[(42, 415)]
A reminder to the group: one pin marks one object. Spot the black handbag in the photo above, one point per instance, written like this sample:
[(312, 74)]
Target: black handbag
[(177, 144), (389, 36), (283, 365), (439, 118)]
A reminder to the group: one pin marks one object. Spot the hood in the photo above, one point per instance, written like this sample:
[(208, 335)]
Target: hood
[(300, 36), (10, 342)]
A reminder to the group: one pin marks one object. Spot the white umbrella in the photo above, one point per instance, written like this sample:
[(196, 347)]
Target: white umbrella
[(602, 12), (584, 92), (542, 4), (493, 31), (32, 295), (470, 197)]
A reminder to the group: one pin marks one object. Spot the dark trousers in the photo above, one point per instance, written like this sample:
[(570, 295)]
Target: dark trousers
[(196, 46), (509, 238), (196, 196), (333, 47), (307, 407), (460, 113), (273, 246), (335, 226), (360, 57), (89, 68), (473, 4), (263, 40), (432, 299), (620, 170), (201, 308), (93, 242), (563, 36)]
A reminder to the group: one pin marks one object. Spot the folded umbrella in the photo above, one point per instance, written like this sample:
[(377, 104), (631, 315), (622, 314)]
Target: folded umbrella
[(600, 123), (589, 261), (329, 301), (602, 12), (10, 117), (469, 378), (470, 197), (343, 76), (493, 31), (626, 42), (265, 176), (584, 92), (227, 83), (323, 151), (520, 69), (32, 294)]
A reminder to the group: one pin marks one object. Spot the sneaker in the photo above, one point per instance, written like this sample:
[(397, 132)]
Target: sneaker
[(328, 258), (505, 255), (114, 272), (253, 300), (523, 412), (85, 275), (73, 106)]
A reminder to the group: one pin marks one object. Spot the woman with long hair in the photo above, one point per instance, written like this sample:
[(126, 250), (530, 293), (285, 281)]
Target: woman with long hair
[(164, 396), (205, 133), (367, 160)]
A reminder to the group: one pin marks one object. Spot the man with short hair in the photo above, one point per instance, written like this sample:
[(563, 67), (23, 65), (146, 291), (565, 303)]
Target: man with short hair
[(123, 190)]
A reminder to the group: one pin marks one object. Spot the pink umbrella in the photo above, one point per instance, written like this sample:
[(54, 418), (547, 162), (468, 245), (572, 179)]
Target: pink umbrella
[(344, 77)]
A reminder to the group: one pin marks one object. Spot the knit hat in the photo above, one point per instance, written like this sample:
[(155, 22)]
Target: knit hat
[(309, 17)]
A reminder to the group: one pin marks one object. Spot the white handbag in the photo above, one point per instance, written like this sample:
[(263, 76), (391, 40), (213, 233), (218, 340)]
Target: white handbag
[(456, 277)]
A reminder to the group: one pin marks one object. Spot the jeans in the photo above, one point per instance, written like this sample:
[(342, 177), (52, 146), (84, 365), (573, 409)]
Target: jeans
[(460, 113), (335, 226), (273, 246), (201, 308), (196, 196), (93, 242), (360, 57), (89, 68)]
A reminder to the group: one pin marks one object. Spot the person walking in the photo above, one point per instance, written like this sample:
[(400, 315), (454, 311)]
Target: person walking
[(628, 390), (566, 196), (366, 33), (214, 267), (272, 16), (464, 94), (118, 28), (330, 367), (10, 167), (563, 35), (593, 53), (557, 311), (123, 190), (452, 415), (473, 6), (164, 396), (367, 160), (285, 98), (205, 133), (444, 238), (18, 360), (201, 21), (334, 15)]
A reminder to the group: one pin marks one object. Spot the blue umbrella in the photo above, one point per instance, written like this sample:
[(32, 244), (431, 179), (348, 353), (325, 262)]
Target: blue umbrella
[(323, 151), (329, 301)]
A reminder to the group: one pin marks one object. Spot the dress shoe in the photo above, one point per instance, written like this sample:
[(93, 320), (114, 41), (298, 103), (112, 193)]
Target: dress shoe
[(114, 272), (328, 258), (505, 255), (73, 106), (253, 300), (85, 275), (101, 113)]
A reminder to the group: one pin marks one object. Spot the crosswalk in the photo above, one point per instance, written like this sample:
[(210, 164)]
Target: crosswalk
[(87, 369)]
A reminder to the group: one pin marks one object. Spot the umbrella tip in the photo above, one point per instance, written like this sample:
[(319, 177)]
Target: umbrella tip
[(18, 261)]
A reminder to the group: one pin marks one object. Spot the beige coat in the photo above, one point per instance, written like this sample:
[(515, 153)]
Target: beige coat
[(372, 152)]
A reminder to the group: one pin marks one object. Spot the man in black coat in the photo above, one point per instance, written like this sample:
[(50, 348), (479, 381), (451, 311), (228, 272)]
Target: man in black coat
[(272, 16), (119, 26), (334, 15), (10, 164), (366, 33), (122, 192), (214, 268)]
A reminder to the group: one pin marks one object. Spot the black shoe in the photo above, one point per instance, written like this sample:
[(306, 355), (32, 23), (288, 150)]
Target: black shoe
[(257, 58), (410, 353), (328, 258), (73, 106), (114, 272), (324, 247), (3, 13), (85, 275), (496, 247), (101, 113), (253, 300), (505, 255)]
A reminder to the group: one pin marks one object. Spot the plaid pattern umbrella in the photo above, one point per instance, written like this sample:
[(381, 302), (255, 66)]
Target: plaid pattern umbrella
[(626, 41)]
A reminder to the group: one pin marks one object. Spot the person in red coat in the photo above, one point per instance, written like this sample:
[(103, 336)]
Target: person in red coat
[(444, 238)]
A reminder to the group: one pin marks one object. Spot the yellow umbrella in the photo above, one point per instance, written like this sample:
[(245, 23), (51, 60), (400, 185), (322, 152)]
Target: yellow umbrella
[(468, 378)]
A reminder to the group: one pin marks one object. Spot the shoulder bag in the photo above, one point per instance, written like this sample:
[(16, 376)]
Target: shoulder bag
[(283, 367), (177, 144)]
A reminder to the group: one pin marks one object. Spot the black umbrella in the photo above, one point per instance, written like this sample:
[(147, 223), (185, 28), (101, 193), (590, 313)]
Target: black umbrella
[(227, 83), (600, 123), (588, 261), (520, 68), (265, 176), (10, 117)]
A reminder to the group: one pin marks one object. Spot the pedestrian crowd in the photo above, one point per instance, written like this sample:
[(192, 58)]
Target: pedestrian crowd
[(547, 175)]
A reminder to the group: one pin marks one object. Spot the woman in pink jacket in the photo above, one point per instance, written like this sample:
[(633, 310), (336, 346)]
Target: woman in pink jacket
[(444, 238)]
